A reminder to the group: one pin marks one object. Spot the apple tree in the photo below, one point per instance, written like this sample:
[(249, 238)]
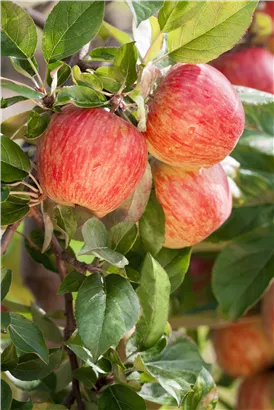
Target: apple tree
[(148, 178)]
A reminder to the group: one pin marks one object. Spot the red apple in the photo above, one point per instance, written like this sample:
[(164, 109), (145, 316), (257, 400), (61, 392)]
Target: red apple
[(195, 203), (195, 118), (269, 8), (243, 349), (200, 271), (268, 312), (256, 393), (3, 308), (252, 67), (90, 157)]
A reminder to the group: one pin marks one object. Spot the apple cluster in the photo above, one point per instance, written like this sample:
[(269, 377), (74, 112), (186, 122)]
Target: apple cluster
[(95, 159), (195, 120), (246, 350)]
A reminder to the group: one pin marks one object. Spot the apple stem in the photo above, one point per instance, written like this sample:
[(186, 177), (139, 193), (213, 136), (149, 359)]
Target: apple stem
[(36, 183), (24, 183), (32, 194)]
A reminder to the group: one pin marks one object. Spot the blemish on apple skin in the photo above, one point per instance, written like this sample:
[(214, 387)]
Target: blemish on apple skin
[(191, 130), (96, 166)]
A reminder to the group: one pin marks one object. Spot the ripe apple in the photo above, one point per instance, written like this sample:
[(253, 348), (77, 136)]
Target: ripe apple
[(3, 308), (269, 8), (243, 349), (268, 312), (256, 392), (195, 203), (195, 118), (90, 157), (252, 67)]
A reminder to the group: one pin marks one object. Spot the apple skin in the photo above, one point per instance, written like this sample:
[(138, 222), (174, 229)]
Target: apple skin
[(243, 349), (256, 392), (91, 158), (195, 203), (269, 8), (195, 118), (252, 67), (268, 312), (3, 308)]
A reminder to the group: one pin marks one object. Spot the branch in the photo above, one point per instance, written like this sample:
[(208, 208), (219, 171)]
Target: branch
[(70, 320), (37, 17), (7, 236)]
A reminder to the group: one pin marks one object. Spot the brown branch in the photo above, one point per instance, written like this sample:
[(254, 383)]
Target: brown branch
[(8, 235), (70, 325), (37, 17)]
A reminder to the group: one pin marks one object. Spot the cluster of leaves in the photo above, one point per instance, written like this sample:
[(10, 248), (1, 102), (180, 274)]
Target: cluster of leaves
[(131, 290)]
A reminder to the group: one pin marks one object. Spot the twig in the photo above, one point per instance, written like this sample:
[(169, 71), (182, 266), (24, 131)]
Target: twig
[(7, 236), (37, 17), (69, 400)]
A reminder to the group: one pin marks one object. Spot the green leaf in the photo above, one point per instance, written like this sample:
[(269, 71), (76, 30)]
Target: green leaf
[(7, 102), (5, 282), (96, 243), (5, 320), (103, 54), (15, 165), (59, 69), (85, 375), (122, 237), (257, 187), (153, 294), (111, 78), (205, 394), (254, 151), (21, 405), (9, 358), (27, 337), (119, 397), (174, 14), (24, 67), (6, 395), (211, 32), (30, 367), (37, 123), (152, 225), (142, 10), (23, 90), (106, 309), (48, 328), (66, 220), (243, 271), (243, 220), (34, 250), (19, 36), (11, 126), (177, 265), (71, 283), (12, 210), (253, 97), (80, 96), (76, 344), (111, 31), (86, 79), (70, 26), (125, 60), (149, 41), (4, 193)]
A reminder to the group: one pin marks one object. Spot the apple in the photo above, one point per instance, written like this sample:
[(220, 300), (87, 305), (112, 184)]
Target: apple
[(3, 308), (195, 203), (242, 349), (252, 67), (269, 8), (268, 312), (256, 392), (195, 118), (90, 157)]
